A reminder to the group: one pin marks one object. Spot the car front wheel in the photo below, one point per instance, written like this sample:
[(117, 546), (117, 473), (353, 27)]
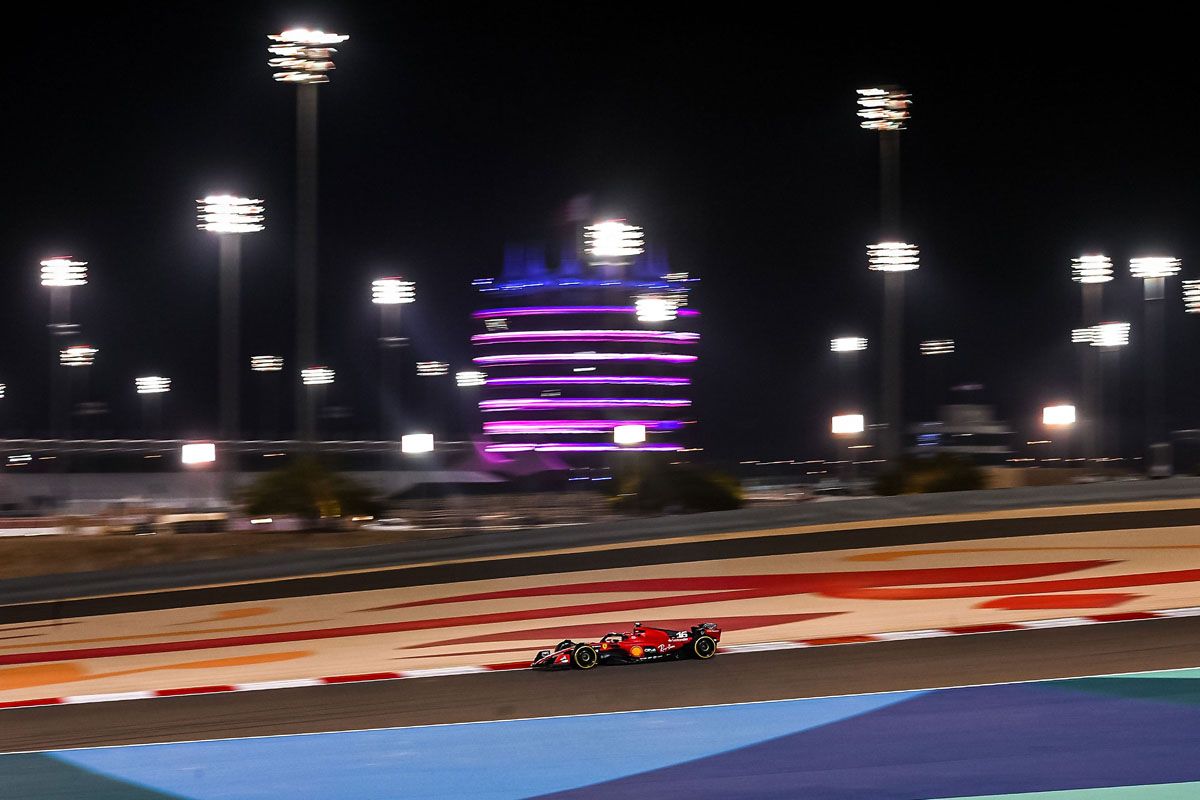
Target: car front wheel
[(584, 657)]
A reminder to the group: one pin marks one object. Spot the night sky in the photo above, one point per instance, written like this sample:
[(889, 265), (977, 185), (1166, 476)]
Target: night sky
[(733, 141)]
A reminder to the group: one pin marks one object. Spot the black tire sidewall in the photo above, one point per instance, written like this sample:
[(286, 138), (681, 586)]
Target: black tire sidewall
[(590, 660)]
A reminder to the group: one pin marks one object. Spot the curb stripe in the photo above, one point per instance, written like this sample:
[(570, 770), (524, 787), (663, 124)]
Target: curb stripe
[(437, 672)]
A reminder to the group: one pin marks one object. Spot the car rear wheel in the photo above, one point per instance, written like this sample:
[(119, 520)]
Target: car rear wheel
[(584, 657), (704, 647)]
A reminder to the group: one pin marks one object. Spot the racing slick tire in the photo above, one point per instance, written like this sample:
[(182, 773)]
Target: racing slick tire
[(584, 657), (704, 647)]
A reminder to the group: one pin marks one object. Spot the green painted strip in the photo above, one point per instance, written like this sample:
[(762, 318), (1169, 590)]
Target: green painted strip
[(1158, 791), (1173, 673), (37, 776)]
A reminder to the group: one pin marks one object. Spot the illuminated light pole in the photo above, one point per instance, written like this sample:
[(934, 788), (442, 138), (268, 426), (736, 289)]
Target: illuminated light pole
[(149, 388), (1091, 272), (314, 380), (304, 58), (893, 259), (269, 368), (1110, 337), (846, 429), (847, 349), (612, 242), (78, 356), (390, 294), (1154, 271), (936, 369), (229, 218), (60, 274)]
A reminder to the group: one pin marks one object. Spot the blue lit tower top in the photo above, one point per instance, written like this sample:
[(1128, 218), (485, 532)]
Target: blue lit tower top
[(603, 340)]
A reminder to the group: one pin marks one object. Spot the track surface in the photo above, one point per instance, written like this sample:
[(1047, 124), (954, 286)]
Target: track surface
[(748, 545), (918, 664)]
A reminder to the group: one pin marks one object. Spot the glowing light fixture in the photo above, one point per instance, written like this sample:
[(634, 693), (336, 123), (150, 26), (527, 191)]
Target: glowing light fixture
[(1091, 269), (1191, 297), (883, 108), (225, 213), (3, 389), (655, 309), (64, 271), (198, 453), (316, 376), (266, 363), (152, 384), (893, 257), (1058, 416), (613, 238), (637, 380), (78, 355), (937, 347), (845, 424), (1153, 267), (303, 56), (848, 344), (527, 311), (393, 291), (432, 369), (531, 403), (520, 337), (416, 443), (1110, 334), (629, 434), (470, 378)]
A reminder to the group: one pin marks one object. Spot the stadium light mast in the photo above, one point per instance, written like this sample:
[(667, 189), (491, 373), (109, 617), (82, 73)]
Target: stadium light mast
[(229, 217), (1154, 271), (893, 259), (150, 389), (885, 110), (304, 58), (390, 294), (1091, 272), (60, 274)]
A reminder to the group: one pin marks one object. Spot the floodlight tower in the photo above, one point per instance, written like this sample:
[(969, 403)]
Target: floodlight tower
[(1154, 271), (893, 259), (60, 274), (1091, 272), (304, 58), (390, 294), (886, 110), (151, 388), (229, 217)]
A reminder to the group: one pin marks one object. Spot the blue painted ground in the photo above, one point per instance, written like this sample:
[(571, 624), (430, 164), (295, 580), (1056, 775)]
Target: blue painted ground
[(998, 741)]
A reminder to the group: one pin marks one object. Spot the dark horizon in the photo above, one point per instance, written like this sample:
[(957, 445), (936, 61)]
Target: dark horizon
[(736, 147)]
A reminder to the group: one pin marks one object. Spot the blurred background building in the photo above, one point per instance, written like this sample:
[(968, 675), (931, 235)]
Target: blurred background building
[(604, 338)]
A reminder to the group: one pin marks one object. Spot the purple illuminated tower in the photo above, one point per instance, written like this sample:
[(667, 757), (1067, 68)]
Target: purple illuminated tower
[(570, 354)]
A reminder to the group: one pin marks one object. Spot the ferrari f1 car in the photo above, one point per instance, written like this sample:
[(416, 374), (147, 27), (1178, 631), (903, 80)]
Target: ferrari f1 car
[(641, 644)]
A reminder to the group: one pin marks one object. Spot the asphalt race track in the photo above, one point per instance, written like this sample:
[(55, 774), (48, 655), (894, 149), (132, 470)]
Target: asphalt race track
[(818, 672)]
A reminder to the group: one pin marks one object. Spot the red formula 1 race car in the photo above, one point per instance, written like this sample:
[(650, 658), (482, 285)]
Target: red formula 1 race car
[(641, 644)]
